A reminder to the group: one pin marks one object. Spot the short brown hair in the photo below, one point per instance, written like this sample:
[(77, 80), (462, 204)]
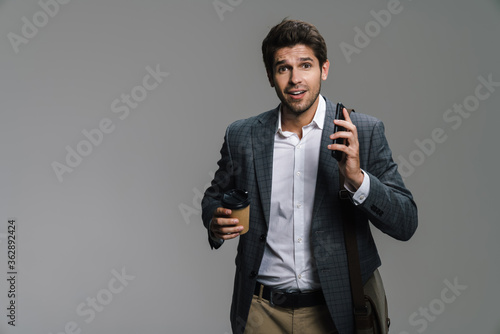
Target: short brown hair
[(289, 33)]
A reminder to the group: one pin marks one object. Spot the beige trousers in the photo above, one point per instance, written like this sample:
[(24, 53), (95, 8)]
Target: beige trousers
[(266, 319)]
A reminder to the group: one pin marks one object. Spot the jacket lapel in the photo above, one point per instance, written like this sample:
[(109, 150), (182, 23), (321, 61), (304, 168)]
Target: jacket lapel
[(263, 133), (327, 167)]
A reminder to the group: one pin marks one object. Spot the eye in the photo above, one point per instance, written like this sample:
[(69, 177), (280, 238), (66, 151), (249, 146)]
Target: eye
[(282, 69), (306, 65)]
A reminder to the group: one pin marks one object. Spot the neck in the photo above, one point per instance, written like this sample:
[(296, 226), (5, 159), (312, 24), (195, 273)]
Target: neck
[(294, 122)]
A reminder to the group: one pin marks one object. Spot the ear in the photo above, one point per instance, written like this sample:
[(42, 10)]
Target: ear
[(324, 70), (270, 78)]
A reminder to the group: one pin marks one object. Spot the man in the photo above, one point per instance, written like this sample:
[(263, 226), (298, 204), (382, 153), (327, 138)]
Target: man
[(283, 158)]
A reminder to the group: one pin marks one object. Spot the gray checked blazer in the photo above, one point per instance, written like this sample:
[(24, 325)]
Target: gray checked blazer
[(246, 163)]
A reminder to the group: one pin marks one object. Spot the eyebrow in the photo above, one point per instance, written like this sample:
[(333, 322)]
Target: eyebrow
[(281, 62)]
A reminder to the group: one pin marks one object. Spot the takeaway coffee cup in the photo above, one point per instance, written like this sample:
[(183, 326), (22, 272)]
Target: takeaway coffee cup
[(238, 201)]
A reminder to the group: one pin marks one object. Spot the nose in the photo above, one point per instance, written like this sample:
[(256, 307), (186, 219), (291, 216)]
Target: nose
[(295, 77)]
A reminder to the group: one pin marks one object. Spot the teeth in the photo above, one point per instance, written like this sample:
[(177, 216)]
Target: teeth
[(297, 93)]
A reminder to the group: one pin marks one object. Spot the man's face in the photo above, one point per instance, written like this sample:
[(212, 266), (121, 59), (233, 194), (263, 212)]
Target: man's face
[(297, 78)]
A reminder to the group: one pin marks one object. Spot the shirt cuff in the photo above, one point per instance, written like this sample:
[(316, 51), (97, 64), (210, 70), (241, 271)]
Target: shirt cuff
[(359, 196)]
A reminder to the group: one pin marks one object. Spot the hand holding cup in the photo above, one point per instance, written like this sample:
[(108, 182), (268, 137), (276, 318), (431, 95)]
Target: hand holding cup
[(232, 219)]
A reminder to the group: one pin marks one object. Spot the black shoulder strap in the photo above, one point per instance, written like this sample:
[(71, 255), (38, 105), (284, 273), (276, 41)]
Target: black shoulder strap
[(348, 210)]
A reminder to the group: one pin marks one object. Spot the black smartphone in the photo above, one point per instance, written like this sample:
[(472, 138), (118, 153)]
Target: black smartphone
[(339, 114)]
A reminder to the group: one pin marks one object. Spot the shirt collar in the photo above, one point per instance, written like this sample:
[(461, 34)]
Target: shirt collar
[(318, 119)]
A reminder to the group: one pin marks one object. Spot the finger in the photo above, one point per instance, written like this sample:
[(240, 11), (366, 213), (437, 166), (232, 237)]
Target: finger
[(347, 125), (231, 230), (228, 236), (221, 235), (347, 122), (221, 212), (349, 150), (347, 116), (224, 222), (338, 147), (228, 232), (341, 134)]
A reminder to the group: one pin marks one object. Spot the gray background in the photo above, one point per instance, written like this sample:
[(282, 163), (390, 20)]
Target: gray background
[(133, 202)]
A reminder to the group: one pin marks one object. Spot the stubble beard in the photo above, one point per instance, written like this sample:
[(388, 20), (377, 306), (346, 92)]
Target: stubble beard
[(297, 108)]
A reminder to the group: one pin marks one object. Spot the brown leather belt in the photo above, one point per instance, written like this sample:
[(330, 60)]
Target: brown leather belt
[(291, 300)]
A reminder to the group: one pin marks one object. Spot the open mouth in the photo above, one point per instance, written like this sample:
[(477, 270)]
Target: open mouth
[(297, 94)]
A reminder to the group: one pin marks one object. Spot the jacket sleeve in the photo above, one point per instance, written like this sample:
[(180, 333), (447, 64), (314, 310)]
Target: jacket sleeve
[(223, 180), (389, 205)]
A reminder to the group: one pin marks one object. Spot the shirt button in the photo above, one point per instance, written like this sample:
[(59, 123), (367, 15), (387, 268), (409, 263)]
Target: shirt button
[(299, 240), (299, 205), (298, 173), (362, 197), (300, 276)]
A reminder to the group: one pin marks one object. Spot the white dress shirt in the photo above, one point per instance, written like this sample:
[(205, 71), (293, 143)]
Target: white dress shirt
[(288, 262)]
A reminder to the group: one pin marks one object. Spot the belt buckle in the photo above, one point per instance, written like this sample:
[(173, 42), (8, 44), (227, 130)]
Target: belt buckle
[(279, 294)]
